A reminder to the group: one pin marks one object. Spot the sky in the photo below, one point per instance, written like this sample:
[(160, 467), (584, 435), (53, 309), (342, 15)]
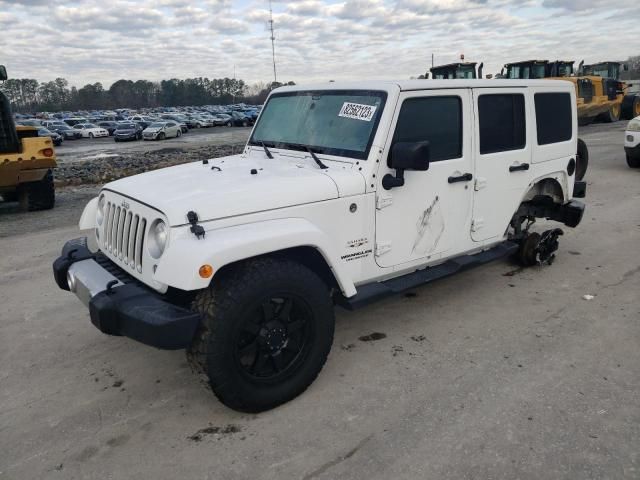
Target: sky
[(87, 41)]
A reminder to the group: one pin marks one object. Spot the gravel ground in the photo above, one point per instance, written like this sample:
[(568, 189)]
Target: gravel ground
[(496, 373)]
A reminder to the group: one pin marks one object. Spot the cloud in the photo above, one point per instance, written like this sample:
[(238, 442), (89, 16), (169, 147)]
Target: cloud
[(315, 40)]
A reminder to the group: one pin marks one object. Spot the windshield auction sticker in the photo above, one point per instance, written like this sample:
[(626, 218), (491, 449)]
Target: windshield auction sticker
[(357, 111)]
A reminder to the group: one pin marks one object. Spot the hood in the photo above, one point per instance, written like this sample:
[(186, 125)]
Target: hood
[(233, 190)]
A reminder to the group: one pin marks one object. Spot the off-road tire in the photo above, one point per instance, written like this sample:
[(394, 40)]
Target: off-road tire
[(39, 195), (527, 256), (630, 107), (582, 160), (161, 136), (228, 304), (611, 115), (633, 162), (584, 121)]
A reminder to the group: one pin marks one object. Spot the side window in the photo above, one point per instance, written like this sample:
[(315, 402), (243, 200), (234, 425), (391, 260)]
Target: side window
[(502, 122), (436, 119), (553, 117)]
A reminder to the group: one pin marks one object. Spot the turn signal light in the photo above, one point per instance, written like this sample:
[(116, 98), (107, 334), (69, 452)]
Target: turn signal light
[(48, 152), (206, 271)]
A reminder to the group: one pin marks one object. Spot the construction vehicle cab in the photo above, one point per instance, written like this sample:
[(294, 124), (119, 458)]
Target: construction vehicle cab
[(603, 69), (26, 161), (464, 70)]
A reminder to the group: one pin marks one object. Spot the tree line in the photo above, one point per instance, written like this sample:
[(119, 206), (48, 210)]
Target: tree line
[(29, 95)]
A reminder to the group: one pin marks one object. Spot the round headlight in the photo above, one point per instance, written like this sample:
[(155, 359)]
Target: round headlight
[(100, 212), (158, 235)]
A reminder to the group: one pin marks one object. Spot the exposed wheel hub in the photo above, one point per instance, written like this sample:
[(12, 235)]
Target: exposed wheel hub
[(275, 336)]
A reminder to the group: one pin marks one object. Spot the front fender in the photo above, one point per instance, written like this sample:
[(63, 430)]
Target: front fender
[(185, 254), (88, 217)]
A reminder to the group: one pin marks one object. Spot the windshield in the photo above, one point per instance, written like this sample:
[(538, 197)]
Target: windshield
[(334, 122), (126, 126), (157, 125)]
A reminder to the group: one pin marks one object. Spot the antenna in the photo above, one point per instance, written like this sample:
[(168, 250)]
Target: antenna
[(273, 43)]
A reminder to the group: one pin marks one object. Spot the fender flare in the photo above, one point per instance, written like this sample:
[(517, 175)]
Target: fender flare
[(88, 217), (185, 254), (560, 178)]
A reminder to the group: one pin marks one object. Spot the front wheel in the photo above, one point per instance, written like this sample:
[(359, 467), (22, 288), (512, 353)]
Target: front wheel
[(39, 195), (267, 328), (613, 114), (90, 135), (161, 136), (228, 124), (178, 133)]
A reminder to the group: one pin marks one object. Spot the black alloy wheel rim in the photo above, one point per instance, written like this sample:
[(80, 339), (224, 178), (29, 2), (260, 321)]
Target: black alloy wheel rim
[(274, 338)]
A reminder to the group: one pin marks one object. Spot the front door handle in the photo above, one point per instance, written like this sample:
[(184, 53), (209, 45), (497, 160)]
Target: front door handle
[(466, 177), (517, 168)]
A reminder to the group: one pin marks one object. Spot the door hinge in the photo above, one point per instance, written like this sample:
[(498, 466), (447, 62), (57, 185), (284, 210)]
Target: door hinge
[(477, 224), (480, 183), (382, 248), (383, 201)]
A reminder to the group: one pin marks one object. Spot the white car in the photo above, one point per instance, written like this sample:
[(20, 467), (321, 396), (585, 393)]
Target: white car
[(632, 143), (203, 122), (161, 130), (361, 191), (89, 130)]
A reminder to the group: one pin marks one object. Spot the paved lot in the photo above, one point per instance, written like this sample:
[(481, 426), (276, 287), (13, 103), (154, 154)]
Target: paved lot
[(496, 373)]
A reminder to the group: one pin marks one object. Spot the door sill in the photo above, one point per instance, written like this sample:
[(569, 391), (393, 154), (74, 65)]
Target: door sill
[(372, 292)]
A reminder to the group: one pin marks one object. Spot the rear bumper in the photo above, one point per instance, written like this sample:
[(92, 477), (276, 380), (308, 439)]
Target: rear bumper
[(117, 308)]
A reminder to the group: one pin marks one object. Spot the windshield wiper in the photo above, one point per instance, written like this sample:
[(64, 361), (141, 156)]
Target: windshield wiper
[(317, 160), (266, 150)]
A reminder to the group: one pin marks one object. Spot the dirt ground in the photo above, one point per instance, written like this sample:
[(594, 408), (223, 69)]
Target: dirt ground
[(496, 373)]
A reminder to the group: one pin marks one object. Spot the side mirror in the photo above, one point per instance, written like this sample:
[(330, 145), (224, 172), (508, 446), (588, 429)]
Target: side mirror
[(406, 156), (3, 73)]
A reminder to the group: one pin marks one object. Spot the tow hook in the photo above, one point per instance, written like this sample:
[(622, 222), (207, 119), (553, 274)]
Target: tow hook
[(548, 245)]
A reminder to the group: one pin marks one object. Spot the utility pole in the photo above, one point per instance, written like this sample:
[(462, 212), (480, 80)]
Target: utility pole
[(273, 43)]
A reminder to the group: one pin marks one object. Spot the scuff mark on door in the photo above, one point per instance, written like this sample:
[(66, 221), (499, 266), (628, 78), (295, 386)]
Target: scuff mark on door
[(430, 227)]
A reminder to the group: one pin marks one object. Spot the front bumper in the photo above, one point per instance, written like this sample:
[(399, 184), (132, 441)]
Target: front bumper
[(120, 307)]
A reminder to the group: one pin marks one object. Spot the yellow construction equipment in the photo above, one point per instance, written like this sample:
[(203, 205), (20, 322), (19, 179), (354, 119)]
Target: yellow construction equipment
[(26, 161), (599, 91)]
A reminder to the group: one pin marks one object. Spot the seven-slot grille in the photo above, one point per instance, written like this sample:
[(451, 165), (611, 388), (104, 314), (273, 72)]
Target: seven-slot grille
[(122, 236)]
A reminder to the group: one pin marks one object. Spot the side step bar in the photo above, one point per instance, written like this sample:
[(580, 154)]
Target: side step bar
[(371, 292)]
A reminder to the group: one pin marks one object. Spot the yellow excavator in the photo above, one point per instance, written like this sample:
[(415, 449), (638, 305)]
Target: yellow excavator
[(599, 91), (26, 161)]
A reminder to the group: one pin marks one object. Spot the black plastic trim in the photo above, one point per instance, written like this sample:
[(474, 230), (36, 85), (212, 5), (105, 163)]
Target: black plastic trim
[(73, 251), (372, 292), (579, 189)]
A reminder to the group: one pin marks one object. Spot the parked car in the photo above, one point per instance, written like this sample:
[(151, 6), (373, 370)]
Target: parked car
[(223, 119), (127, 131), (632, 143), (143, 120), (447, 189), (108, 125), (89, 130), (180, 120), (162, 130), (241, 119), (75, 120), (55, 137), (30, 122), (202, 121), (66, 131)]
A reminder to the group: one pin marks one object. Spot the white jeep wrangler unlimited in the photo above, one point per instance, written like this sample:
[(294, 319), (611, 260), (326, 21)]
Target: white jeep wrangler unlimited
[(345, 193)]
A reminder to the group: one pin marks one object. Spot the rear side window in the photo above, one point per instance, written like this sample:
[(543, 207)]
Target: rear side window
[(502, 122), (553, 117), (434, 119)]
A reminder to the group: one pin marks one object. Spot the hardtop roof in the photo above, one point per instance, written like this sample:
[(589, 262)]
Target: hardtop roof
[(426, 84)]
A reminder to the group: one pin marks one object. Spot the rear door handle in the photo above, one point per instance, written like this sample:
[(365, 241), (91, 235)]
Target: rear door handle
[(467, 177), (517, 168)]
